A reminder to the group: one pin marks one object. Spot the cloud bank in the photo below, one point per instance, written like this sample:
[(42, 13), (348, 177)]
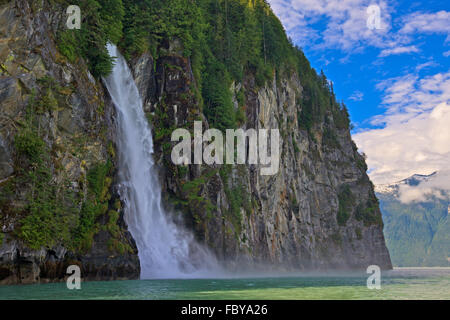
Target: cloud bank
[(438, 22), (342, 24), (437, 186), (345, 20), (398, 50), (416, 133)]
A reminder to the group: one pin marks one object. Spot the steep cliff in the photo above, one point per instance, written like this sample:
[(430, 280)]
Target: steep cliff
[(318, 212), (58, 199)]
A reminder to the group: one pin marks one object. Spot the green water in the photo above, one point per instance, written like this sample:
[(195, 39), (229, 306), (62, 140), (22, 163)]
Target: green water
[(404, 283)]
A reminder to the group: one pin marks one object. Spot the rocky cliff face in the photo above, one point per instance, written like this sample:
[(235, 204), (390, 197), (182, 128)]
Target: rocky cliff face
[(318, 212), (57, 161)]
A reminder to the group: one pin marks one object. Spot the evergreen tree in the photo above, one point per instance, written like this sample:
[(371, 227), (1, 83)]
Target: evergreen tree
[(225, 40)]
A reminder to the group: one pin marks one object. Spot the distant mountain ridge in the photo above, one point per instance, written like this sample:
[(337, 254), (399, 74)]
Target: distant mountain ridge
[(414, 180), (417, 232)]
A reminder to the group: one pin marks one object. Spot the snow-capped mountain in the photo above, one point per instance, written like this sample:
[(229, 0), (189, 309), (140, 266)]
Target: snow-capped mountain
[(414, 180)]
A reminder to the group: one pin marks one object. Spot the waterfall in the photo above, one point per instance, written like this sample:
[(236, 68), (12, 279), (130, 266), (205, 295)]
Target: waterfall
[(165, 249)]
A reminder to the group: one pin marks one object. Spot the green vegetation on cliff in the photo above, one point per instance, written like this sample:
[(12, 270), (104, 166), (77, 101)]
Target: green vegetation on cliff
[(346, 201), (368, 212), (226, 41), (48, 208), (101, 22), (95, 204)]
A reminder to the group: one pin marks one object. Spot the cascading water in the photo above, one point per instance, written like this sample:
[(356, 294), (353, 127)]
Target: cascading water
[(165, 250)]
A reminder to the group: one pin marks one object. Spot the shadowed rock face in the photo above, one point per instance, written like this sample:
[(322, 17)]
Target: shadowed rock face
[(6, 165), (288, 221), (78, 132)]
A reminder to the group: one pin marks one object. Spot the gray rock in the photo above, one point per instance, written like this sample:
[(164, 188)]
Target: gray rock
[(77, 132), (6, 165)]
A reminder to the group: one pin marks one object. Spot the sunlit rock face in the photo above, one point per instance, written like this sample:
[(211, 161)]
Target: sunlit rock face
[(287, 221)]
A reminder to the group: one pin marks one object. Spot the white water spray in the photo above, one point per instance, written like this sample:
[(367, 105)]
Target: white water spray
[(165, 250)]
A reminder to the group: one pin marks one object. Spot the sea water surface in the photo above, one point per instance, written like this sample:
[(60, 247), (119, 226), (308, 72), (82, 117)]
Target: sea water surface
[(400, 283)]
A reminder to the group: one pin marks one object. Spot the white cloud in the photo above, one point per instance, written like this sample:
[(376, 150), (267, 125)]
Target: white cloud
[(416, 134), (343, 25), (294, 22), (426, 65), (398, 50), (446, 54), (357, 96), (408, 96), (418, 22), (437, 186), (346, 22)]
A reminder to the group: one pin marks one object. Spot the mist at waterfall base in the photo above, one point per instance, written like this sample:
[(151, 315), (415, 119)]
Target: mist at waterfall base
[(165, 249)]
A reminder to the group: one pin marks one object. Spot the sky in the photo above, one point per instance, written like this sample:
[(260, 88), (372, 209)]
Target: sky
[(392, 73)]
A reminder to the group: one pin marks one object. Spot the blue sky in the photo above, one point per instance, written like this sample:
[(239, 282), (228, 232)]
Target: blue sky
[(395, 79)]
